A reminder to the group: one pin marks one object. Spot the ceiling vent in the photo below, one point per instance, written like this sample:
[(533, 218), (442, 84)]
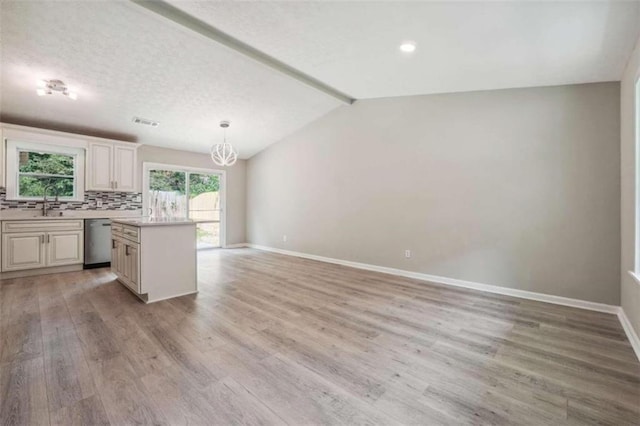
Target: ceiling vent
[(145, 122)]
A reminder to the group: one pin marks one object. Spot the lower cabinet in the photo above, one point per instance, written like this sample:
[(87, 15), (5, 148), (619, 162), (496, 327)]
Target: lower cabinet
[(64, 248), (45, 245), (155, 261), (23, 251), (125, 262)]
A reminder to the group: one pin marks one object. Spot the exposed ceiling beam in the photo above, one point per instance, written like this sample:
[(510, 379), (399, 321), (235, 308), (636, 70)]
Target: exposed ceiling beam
[(178, 16)]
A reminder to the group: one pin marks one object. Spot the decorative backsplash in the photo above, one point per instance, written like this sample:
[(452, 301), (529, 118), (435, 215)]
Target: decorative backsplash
[(110, 201)]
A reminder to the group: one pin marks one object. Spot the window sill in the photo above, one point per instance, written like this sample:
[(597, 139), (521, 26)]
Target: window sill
[(636, 277)]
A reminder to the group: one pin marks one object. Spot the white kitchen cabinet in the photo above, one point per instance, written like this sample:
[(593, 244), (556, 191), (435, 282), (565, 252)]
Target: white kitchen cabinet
[(100, 167), (116, 262), (111, 167), (25, 250), (41, 244), (125, 261), (124, 168), (131, 266), (64, 248), (155, 260)]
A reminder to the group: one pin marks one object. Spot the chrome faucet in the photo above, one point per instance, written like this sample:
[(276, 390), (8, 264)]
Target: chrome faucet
[(45, 204)]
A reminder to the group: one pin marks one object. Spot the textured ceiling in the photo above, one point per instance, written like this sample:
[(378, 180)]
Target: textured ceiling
[(462, 46), (125, 61)]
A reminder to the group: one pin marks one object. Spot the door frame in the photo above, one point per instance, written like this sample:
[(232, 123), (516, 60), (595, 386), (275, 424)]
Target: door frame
[(146, 166)]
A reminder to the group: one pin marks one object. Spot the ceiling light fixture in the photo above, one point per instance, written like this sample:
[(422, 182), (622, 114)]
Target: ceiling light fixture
[(408, 46), (223, 153), (48, 87)]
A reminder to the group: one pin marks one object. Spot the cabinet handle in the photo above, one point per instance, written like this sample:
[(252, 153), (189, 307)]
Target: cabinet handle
[(41, 239), (113, 244), (48, 238), (126, 250), (116, 184)]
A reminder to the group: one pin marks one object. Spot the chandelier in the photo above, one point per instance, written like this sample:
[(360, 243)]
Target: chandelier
[(223, 154)]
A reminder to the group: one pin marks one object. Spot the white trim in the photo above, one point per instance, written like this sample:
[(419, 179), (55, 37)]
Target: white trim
[(636, 145), (636, 277), (233, 246), (38, 134), (146, 166), (523, 294), (630, 332), (12, 167), (168, 297)]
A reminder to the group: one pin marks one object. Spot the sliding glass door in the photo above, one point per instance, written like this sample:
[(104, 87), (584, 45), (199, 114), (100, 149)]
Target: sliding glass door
[(174, 191), (204, 207)]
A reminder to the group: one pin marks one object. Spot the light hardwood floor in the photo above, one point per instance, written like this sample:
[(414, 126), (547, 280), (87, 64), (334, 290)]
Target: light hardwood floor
[(272, 339)]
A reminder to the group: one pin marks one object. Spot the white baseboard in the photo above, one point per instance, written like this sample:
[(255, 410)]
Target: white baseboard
[(523, 294), (239, 245), (630, 332)]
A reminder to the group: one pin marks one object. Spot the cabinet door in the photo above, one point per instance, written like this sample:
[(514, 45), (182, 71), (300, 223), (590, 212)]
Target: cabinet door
[(100, 167), (131, 268), (124, 170), (65, 248), (23, 251), (114, 256), (117, 258)]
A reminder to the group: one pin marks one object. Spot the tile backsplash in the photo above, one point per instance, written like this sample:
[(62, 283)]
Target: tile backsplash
[(110, 201)]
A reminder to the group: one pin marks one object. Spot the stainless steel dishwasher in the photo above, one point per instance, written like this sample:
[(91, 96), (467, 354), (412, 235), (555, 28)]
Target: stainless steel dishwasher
[(97, 243)]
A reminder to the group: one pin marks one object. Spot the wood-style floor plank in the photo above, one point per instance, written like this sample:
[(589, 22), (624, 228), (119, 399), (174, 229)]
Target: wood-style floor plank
[(271, 339)]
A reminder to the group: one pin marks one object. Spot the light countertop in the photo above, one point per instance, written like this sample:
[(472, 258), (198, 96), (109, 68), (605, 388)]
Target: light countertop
[(151, 221), (15, 214)]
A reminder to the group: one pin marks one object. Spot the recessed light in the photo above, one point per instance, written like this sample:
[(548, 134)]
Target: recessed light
[(408, 46)]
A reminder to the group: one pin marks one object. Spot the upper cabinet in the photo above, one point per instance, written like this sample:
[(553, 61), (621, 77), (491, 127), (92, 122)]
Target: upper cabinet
[(99, 164), (124, 168), (111, 167)]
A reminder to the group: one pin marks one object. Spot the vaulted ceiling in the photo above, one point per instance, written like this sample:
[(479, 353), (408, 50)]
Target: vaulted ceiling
[(125, 61)]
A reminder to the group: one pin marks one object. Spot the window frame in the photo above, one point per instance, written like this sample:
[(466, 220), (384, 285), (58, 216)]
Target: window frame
[(635, 273), (14, 147)]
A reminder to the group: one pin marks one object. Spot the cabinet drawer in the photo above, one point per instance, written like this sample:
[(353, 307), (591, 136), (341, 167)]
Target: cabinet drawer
[(131, 232), (116, 228), (42, 225)]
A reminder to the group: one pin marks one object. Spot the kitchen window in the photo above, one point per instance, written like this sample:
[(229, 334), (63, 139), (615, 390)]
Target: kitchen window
[(33, 169)]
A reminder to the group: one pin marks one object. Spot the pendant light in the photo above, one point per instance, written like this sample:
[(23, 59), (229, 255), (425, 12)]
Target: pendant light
[(223, 154)]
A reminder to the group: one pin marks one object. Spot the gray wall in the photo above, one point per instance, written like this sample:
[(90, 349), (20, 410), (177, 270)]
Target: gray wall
[(516, 188), (630, 289), (236, 183)]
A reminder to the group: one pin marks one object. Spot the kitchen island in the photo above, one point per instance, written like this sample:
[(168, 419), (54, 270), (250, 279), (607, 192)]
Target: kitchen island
[(155, 258)]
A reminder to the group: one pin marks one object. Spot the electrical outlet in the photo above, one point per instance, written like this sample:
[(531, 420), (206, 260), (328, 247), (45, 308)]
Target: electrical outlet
[(284, 238), (407, 254), (99, 203)]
